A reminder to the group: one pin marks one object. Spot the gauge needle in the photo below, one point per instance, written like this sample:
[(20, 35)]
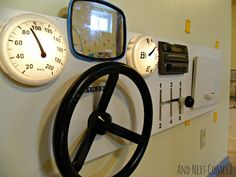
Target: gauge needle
[(43, 54), (152, 51)]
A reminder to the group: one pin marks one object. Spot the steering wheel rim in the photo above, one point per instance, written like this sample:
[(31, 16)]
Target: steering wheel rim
[(68, 168)]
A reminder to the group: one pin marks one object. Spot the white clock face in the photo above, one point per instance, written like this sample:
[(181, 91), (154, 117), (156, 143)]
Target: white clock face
[(142, 54), (32, 50)]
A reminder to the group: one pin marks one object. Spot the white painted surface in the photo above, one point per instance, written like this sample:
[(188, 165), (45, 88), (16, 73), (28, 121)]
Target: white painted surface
[(206, 81), (27, 114)]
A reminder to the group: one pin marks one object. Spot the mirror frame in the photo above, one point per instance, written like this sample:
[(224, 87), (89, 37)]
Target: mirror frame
[(70, 38)]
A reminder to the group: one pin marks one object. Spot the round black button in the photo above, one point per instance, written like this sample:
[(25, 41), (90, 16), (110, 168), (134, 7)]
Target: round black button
[(168, 67), (189, 101)]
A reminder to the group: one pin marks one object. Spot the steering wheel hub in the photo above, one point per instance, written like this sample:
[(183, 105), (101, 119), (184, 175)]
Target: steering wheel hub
[(100, 122)]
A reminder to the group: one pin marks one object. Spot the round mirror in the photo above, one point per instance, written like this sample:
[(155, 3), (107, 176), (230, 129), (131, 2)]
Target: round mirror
[(97, 30)]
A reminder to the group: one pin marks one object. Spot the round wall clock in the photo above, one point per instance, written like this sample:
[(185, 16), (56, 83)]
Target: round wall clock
[(32, 50), (142, 54)]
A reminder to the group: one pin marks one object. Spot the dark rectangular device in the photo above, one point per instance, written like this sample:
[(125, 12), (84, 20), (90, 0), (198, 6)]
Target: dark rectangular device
[(173, 58)]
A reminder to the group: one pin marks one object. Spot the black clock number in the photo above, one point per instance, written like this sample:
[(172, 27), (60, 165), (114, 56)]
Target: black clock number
[(58, 60), (50, 67), (29, 66), (37, 28), (20, 55), (18, 42), (48, 30), (60, 49), (57, 39), (25, 32)]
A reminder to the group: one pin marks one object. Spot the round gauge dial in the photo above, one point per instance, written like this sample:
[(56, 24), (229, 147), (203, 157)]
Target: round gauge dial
[(142, 54), (32, 50)]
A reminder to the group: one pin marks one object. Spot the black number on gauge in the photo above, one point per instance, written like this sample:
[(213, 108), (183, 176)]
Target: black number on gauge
[(18, 42), (57, 39), (25, 32), (29, 66), (39, 28), (20, 55), (58, 60), (50, 67), (60, 49), (48, 30)]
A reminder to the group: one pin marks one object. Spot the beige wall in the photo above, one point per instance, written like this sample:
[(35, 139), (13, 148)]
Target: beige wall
[(233, 52), (49, 7), (211, 21)]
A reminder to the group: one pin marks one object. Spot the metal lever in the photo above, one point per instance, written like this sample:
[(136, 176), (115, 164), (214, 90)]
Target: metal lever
[(187, 101)]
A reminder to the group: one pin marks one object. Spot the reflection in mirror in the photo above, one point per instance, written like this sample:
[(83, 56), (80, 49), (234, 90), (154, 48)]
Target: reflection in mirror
[(98, 31)]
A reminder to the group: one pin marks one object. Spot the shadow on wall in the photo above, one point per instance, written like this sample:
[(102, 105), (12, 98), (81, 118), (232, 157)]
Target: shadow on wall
[(63, 12)]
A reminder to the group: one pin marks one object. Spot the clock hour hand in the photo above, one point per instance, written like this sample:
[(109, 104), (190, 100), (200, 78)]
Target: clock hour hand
[(43, 53), (152, 51)]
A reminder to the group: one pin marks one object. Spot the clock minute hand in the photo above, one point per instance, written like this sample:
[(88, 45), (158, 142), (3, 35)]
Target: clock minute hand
[(152, 51), (43, 53)]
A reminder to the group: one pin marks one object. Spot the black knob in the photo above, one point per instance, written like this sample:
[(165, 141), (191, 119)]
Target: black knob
[(189, 101), (168, 67)]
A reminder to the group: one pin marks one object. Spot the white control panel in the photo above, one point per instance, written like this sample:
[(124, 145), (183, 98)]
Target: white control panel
[(205, 91), (27, 113)]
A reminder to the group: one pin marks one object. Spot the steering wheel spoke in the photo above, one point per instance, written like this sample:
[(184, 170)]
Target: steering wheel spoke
[(83, 150), (107, 92), (125, 133)]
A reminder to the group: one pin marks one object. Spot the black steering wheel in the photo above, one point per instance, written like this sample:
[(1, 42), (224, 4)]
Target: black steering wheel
[(99, 121)]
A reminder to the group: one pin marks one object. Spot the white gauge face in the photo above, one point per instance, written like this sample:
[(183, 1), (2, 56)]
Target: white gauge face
[(33, 50), (142, 54)]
